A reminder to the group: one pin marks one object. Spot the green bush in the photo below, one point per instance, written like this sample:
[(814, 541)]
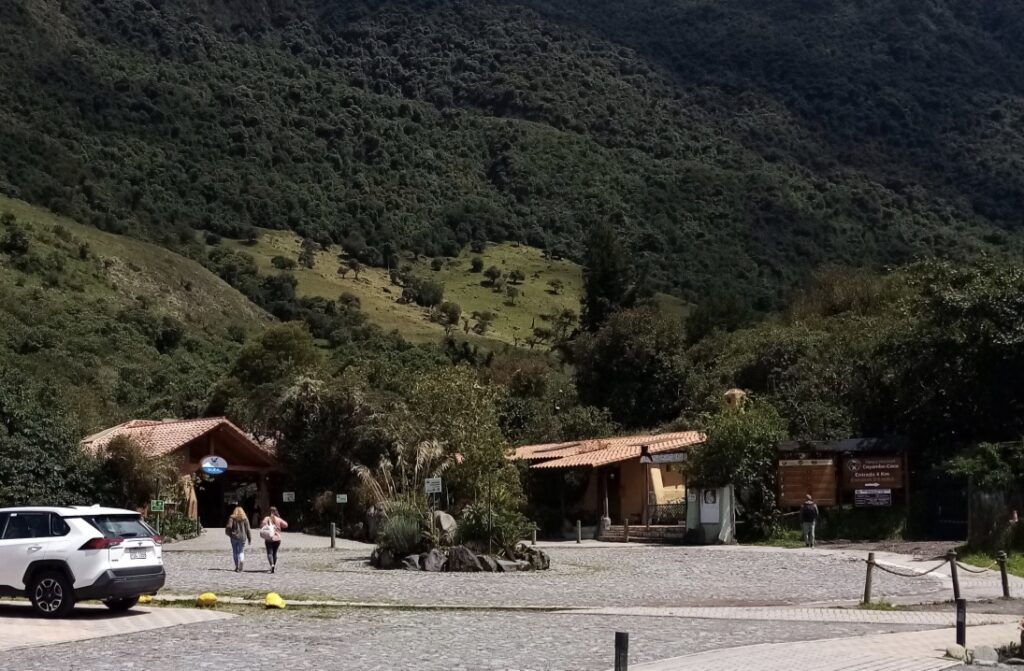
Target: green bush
[(499, 525), (402, 531), (174, 525)]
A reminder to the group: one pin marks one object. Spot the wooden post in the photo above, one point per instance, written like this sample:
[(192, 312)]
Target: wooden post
[(868, 578), (647, 496), (533, 539), (1001, 558), (621, 651), (951, 557), (625, 529), (579, 531), (961, 622), (334, 534)]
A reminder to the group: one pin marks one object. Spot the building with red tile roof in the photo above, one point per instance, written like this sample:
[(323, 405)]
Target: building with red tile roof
[(252, 475), (620, 485)]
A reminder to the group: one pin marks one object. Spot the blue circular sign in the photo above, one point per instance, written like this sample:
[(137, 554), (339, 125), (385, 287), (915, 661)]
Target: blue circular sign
[(213, 465)]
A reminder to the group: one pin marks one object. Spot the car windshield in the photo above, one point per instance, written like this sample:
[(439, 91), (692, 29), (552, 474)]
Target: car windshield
[(121, 526)]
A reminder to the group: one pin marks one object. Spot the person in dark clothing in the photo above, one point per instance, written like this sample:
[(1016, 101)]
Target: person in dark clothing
[(808, 520)]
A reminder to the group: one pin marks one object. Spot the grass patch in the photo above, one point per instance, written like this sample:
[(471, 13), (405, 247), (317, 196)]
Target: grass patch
[(879, 605), (378, 297), (787, 538), (1014, 560)]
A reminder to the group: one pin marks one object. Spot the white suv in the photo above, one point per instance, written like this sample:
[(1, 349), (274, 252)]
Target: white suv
[(57, 556)]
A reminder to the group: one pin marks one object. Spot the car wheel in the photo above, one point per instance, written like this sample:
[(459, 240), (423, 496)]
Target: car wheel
[(51, 594), (119, 605)]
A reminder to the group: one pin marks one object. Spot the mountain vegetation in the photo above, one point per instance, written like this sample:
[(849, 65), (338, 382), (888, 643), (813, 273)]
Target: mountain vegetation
[(371, 229), (736, 145)]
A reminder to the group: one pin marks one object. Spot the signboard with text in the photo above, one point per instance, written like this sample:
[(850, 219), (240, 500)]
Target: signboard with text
[(800, 477), (341, 498), (156, 506), (432, 485), (288, 497), (881, 472), (872, 498)]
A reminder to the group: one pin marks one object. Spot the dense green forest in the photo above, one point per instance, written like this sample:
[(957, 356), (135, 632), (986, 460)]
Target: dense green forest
[(837, 188), (737, 145)]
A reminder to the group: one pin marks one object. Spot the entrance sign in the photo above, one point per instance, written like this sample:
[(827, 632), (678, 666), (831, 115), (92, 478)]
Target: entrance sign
[(341, 498), (800, 477), (710, 508), (432, 485), (156, 506), (288, 497), (213, 465), (883, 472), (872, 498)]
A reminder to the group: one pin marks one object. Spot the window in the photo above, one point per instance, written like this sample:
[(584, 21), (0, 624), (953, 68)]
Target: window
[(58, 527), (27, 525), (3, 523), (121, 526)]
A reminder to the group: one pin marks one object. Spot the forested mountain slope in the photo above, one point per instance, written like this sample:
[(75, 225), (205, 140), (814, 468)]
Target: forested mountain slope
[(109, 327), (737, 143)]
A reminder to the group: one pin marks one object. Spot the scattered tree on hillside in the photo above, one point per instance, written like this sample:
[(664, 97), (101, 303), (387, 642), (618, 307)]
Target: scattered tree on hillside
[(349, 300), (344, 269), (484, 319), (447, 315), (356, 267), (437, 263), (493, 274), (282, 263), (476, 264), (517, 276), (512, 293), (307, 255), (556, 286)]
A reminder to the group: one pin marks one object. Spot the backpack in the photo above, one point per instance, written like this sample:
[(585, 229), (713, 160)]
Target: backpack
[(268, 530)]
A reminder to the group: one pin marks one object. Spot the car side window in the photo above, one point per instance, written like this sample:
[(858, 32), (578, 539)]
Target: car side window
[(27, 525), (3, 523), (58, 527)]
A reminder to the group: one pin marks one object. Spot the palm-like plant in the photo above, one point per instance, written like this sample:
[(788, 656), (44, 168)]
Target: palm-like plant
[(398, 481)]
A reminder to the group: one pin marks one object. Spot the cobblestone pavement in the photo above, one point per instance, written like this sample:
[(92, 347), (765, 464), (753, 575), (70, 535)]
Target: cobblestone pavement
[(365, 640), (908, 651), (579, 577)]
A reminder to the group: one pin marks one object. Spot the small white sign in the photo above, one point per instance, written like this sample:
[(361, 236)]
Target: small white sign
[(288, 497), (341, 498), (432, 485), (709, 506)]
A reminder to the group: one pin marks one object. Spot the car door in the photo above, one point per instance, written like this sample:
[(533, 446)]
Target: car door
[(26, 539), (6, 558)]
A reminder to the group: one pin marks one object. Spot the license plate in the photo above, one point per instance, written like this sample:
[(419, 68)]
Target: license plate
[(139, 553)]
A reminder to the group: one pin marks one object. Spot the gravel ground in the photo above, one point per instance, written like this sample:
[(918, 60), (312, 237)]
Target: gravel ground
[(364, 640), (596, 576)]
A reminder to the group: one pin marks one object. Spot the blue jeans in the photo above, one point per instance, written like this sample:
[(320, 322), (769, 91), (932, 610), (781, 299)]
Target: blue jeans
[(809, 534), (237, 550)]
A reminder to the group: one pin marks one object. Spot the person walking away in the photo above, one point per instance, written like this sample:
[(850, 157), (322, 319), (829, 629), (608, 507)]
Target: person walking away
[(238, 530), (808, 520), (270, 532)]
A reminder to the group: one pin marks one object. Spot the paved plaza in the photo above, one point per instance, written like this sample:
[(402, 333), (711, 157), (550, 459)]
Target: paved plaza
[(685, 608)]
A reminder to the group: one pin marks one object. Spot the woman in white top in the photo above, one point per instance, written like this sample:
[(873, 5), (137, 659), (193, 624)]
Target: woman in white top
[(270, 532)]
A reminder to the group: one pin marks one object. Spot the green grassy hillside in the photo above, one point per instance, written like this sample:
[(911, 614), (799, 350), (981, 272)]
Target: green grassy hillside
[(738, 145), (118, 327), (380, 298)]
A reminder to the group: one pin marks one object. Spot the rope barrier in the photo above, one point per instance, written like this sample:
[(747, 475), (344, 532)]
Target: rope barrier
[(913, 574), (978, 570)]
